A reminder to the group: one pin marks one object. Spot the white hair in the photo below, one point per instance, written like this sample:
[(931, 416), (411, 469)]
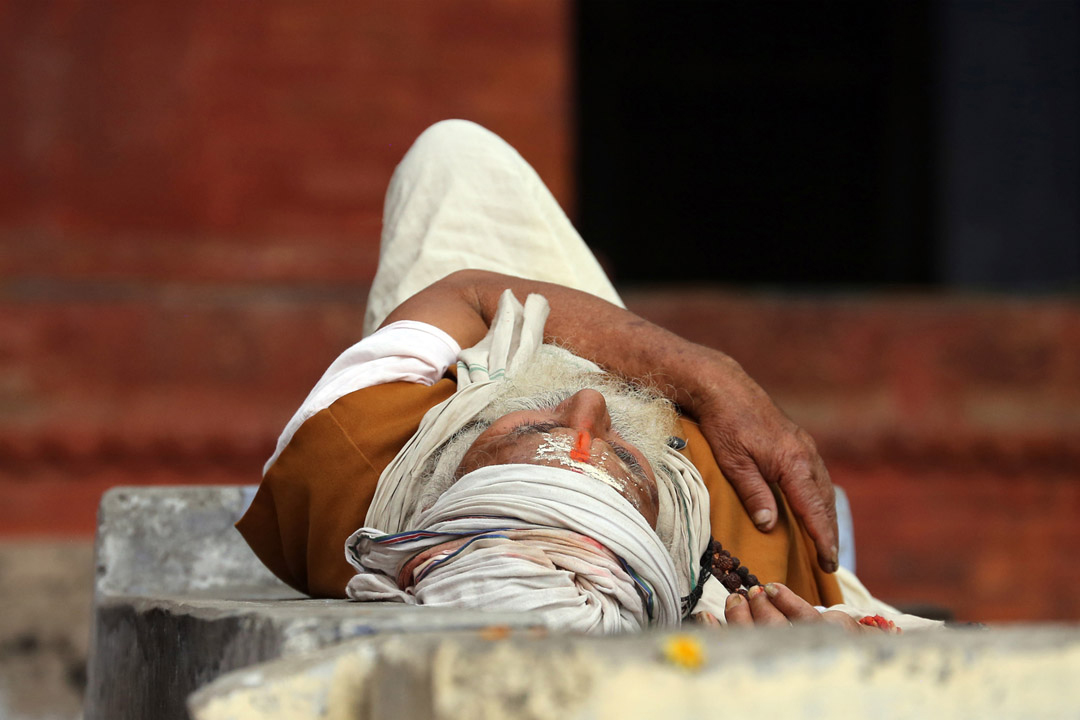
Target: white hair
[(641, 415)]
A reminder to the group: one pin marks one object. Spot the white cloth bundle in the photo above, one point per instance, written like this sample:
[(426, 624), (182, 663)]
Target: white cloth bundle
[(535, 539), (515, 336)]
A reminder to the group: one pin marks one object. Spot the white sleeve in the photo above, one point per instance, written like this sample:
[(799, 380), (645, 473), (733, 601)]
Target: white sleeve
[(403, 351)]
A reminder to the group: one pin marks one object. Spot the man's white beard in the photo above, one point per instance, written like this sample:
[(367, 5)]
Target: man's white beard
[(640, 415)]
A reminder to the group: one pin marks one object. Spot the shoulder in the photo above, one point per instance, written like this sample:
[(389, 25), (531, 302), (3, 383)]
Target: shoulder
[(318, 489), (402, 352)]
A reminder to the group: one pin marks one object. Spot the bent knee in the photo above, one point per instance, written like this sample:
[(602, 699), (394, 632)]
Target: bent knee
[(457, 138), (454, 130)]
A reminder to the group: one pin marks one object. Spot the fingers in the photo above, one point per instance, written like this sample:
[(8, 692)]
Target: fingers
[(808, 488), (763, 610), (845, 621), (810, 494), (737, 611), (793, 607), (760, 445), (773, 605), (753, 491)]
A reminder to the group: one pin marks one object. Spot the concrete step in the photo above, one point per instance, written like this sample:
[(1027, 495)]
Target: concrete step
[(806, 672)]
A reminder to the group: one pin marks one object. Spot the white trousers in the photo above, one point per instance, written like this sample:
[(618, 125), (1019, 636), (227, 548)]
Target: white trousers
[(462, 198)]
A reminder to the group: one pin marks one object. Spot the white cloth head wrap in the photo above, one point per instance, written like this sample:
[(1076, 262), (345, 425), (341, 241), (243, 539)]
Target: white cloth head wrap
[(530, 544), (539, 500)]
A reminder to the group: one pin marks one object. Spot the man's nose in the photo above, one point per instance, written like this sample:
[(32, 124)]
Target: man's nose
[(585, 410)]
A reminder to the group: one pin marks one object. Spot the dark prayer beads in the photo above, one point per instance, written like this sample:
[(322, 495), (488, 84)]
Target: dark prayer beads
[(734, 576)]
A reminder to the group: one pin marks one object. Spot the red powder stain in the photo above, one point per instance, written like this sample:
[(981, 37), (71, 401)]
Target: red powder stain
[(581, 451)]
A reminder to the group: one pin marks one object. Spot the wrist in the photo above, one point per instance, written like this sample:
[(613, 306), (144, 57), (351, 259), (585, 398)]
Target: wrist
[(713, 380)]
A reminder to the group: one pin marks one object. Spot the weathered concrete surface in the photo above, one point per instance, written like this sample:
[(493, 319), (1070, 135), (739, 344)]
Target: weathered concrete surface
[(45, 595), (1021, 672), (180, 599), (151, 653), (169, 540)]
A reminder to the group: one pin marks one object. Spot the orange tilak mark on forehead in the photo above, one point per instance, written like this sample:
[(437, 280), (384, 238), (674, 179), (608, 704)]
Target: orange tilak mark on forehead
[(581, 451)]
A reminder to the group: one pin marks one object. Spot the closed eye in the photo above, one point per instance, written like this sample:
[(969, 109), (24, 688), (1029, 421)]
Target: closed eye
[(528, 428), (631, 462)]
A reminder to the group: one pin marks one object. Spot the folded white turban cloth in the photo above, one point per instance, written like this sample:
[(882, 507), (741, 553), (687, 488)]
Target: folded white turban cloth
[(527, 537)]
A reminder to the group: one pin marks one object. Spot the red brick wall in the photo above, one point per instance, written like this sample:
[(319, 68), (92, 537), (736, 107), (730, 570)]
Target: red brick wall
[(234, 135), (986, 543), (190, 200), (190, 204)]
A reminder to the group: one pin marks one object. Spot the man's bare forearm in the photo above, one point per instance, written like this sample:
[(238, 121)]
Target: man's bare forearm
[(614, 338)]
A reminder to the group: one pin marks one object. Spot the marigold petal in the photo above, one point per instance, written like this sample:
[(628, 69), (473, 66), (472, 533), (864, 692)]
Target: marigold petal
[(686, 651)]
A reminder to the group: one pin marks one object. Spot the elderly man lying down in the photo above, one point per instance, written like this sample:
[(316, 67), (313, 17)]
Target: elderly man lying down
[(507, 436)]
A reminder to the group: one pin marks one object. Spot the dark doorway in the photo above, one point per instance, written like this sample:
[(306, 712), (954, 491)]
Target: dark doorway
[(746, 142)]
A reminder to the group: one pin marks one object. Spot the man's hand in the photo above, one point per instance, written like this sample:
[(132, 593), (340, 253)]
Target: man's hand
[(775, 605), (755, 443)]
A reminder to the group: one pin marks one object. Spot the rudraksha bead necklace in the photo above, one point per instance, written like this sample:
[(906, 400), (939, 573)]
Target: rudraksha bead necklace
[(719, 563), (726, 568)]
